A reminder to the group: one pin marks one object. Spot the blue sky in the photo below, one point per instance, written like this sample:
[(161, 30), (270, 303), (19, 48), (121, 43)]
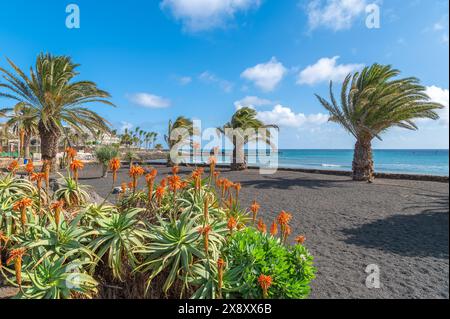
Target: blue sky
[(203, 58)]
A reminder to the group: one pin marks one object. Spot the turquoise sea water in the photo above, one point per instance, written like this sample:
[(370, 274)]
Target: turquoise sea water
[(430, 162), (425, 162)]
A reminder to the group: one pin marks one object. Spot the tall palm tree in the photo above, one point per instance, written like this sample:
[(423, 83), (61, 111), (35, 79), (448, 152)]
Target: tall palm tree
[(58, 100), (181, 123), (153, 138), (244, 119), (373, 101), (23, 121)]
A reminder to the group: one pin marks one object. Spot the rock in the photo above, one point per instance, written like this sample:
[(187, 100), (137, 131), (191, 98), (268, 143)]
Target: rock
[(8, 292), (95, 198), (117, 190)]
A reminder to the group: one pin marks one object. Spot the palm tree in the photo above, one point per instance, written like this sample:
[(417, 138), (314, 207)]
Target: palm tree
[(50, 90), (185, 126), (23, 121), (126, 139), (153, 138), (244, 119), (373, 101)]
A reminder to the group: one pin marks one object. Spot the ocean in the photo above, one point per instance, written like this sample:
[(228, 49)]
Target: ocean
[(423, 162)]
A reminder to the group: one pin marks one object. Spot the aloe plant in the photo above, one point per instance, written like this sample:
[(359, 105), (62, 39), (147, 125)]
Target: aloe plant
[(116, 237), (175, 244), (71, 192)]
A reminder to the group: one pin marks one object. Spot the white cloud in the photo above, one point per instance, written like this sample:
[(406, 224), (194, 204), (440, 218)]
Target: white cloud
[(201, 15), (149, 100), (334, 14), (285, 117), (183, 80), (326, 69), (125, 126), (441, 96), (266, 76), (440, 28), (209, 77), (252, 102)]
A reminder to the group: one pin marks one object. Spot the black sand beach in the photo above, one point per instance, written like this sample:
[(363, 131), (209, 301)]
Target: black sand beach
[(401, 226)]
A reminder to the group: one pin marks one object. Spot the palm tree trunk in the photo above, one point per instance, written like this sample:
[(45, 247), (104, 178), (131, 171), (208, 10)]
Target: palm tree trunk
[(238, 162), (22, 143), (104, 170), (363, 161), (26, 146), (49, 144)]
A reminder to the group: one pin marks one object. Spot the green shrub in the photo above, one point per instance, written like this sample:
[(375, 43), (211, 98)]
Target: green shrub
[(251, 253), (104, 154)]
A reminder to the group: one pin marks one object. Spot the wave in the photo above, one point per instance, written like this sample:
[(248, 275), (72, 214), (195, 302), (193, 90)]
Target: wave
[(331, 165)]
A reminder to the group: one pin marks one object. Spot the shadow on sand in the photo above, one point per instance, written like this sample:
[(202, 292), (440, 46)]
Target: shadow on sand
[(289, 183), (421, 235)]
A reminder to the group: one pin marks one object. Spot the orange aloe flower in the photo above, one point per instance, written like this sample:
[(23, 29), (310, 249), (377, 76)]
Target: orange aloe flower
[(265, 282), (238, 188), (75, 166), (274, 229), (160, 192), (135, 173), (254, 208), (184, 184), (262, 226), (114, 166), (197, 177), (174, 183), (284, 218), (163, 182), (216, 176), (13, 167), (123, 188), (286, 232), (21, 206), (204, 231), (46, 170), (57, 207), (38, 177), (220, 267), (4, 239), (150, 178), (175, 170), (71, 153), (16, 255), (212, 161), (231, 224), (206, 209), (300, 239), (29, 168)]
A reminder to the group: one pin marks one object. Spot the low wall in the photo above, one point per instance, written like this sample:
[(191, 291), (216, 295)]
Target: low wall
[(415, 177)]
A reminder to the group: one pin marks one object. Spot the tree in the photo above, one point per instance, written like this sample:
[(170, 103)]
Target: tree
[(373, 101), (23, 121), (241, 130), (178, 132), (126, 139), (58, 100), (104, 155)]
